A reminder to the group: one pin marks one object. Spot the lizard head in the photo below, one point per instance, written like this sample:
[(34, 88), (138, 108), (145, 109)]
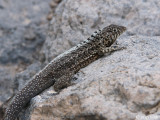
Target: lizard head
[(111, 32)]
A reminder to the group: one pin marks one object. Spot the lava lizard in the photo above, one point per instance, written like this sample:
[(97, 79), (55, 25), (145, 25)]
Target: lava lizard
[(61, 69)]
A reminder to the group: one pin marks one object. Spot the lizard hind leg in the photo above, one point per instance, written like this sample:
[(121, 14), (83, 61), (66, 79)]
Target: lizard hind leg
[(63, 82)]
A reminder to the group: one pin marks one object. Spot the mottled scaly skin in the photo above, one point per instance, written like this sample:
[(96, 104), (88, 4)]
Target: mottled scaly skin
[(61, 69)]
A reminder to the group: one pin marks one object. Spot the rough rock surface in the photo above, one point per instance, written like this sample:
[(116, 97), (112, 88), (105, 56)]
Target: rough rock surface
[(122, 86), (76, 20)]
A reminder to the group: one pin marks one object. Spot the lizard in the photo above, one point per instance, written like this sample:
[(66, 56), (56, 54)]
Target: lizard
[(61, 69)]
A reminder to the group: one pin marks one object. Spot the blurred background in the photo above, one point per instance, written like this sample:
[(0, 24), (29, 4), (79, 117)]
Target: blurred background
[(23, 26)]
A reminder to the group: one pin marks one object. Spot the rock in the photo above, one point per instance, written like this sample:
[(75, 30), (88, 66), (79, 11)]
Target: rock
[(74, 21), (53, 4), (49, 16), (121, 86), (6, 82), (23, 77), (23, 28)]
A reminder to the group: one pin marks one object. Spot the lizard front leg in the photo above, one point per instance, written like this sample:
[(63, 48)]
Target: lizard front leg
[(115, 47)]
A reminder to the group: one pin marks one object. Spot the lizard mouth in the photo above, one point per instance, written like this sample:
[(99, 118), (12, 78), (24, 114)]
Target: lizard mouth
[(123, 28)]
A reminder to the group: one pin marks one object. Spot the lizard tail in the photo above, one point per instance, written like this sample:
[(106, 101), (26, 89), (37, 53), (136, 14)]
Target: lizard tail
[(34, 87)]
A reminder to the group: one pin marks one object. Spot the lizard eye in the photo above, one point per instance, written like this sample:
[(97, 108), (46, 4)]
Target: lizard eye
[(114, 30)]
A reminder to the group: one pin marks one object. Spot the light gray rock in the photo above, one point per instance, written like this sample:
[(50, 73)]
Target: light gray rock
[(122, 86), (76, 20)]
